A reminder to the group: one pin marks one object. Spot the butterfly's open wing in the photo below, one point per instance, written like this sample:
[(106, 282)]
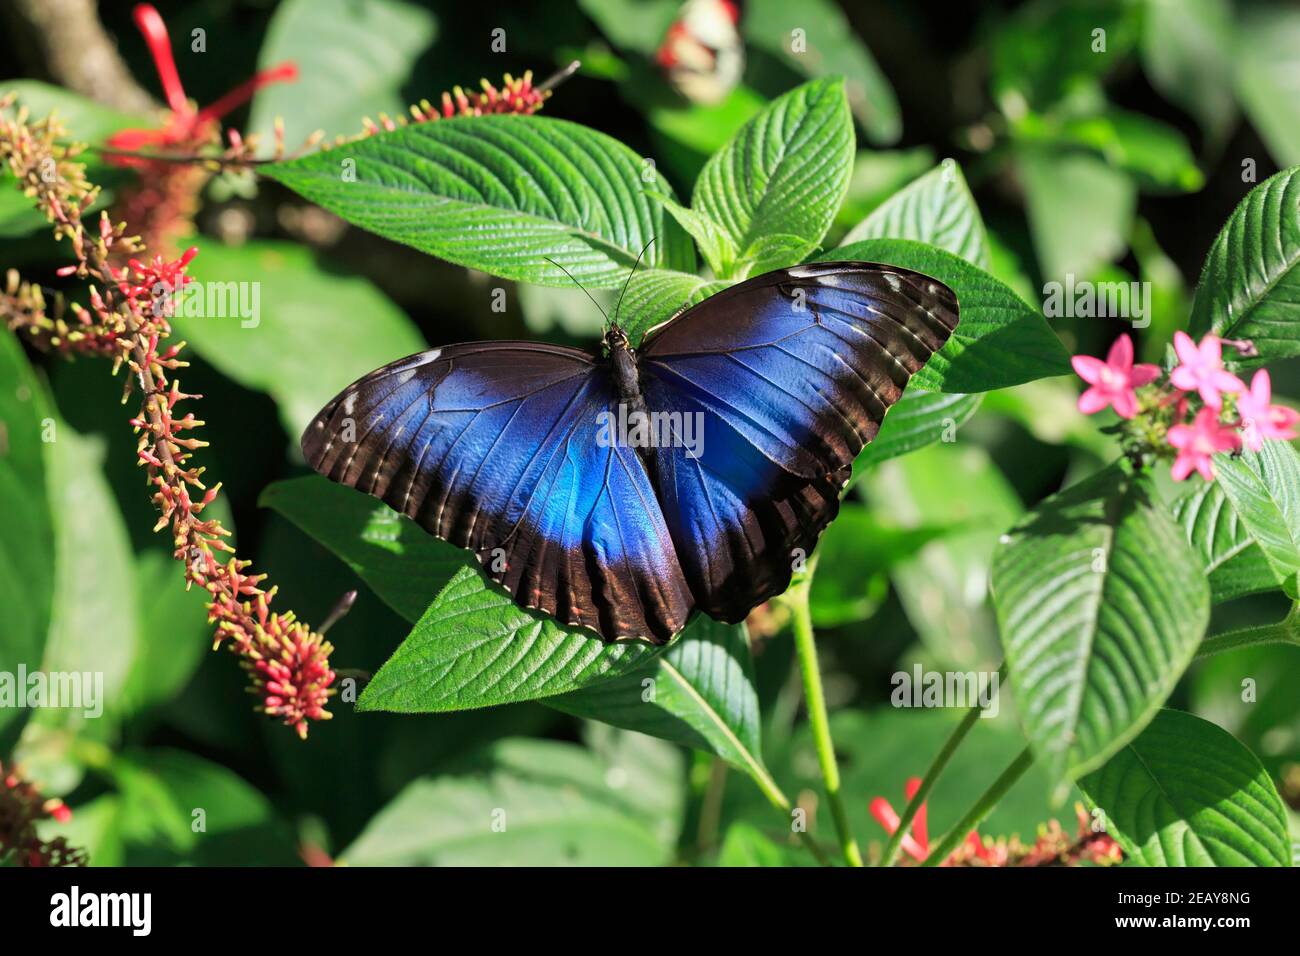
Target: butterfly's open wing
[(493, 447), (793, 372)]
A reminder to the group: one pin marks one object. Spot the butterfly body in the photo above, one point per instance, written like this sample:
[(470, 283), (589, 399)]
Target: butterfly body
[(625, 489)]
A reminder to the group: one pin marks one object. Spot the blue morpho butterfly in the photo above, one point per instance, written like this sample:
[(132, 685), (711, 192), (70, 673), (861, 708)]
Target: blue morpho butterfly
[(625, 489)]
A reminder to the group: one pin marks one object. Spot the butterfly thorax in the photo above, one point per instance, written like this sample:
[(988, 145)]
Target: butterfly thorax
[(622, 359)]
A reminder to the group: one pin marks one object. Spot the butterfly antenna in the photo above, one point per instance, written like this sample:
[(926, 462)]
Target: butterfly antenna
[(629, 277), (578, 284)]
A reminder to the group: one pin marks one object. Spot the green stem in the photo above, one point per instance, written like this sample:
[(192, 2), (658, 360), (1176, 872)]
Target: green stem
[(975, 816), (815, 700), (1285, 631), (937, 766)]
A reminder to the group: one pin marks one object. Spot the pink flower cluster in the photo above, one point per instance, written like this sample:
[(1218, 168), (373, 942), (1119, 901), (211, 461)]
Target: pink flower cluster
[(1246, 419)]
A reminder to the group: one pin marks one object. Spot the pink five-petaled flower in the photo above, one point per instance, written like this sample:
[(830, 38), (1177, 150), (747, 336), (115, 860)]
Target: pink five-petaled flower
[(1259, 419), (1113, 381), (185, 124), (1202, 369), (917, 843), (1199, 441)]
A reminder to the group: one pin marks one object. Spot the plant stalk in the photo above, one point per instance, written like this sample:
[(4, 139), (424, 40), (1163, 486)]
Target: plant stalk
[(937, 766), (1285, 631), (815, 699), (975, 816)]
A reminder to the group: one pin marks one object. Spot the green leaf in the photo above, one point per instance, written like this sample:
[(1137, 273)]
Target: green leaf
[(1155, 153), (1101, 604), (637, 25), (699, 693), (27, 553), (353, 60), (1187, 53), (474, 647), (1264, 490), (174, 633), (918, 419), (164, 794), (656, 295), (527, 803), (786, 171), (828, 45), (1268, 70), (703, 694), (855, 556), (274, 319), (774, 251), (1250, 286), (1231, 558), (1080, 210), (878, 175), (1187, 793), (943, 587), (1051, 49), (939, 209), (400, 561), (747, 845), (498, 193), (714, 244), (93, 626), (999, 340)]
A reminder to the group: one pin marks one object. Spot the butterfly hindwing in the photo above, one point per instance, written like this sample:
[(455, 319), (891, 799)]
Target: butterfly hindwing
[(792, 373), (492, 447)]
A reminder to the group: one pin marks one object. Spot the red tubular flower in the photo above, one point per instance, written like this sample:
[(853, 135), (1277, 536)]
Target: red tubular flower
[(186, 126)]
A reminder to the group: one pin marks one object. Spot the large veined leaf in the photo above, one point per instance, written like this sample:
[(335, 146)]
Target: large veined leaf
[(352, 59), (787, 170), (527, 802), (27, 532), (700, 691), (401, 562), (937, 208), (1264, 489), (1187, 793), (498, 193), (273, 318), (918, 419), (474, 647), (1101, 604), (703, 686), (814, 38), (1250, 286), (999, 341), (1231, 559), (1268, 71)]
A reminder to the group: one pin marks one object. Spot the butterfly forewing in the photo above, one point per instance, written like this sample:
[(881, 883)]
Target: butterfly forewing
[(792, 373)]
